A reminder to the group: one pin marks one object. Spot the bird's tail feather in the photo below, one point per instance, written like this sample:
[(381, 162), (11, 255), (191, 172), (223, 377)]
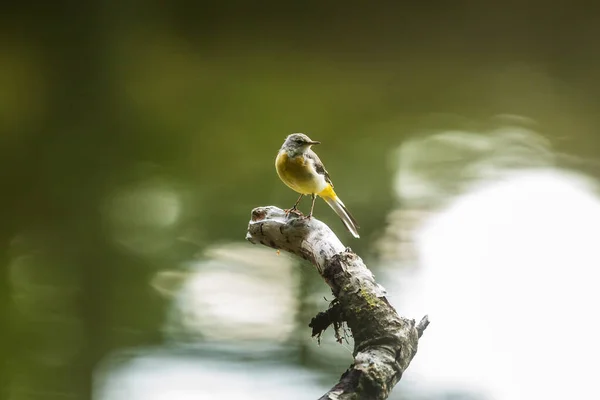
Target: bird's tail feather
[(341, 210)]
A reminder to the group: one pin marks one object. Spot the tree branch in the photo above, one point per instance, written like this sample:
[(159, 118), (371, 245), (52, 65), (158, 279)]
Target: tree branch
[(384, 343)]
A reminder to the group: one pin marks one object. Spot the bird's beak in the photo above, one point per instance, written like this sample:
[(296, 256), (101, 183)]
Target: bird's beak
[(313, 142)]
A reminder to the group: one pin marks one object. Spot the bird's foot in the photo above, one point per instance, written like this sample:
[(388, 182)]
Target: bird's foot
[(307, 217), (293, 210)]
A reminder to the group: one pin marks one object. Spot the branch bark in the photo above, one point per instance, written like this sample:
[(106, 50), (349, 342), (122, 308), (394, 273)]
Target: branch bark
[(384, 342)]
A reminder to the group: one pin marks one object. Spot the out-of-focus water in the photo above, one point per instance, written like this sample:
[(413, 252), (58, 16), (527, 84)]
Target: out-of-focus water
[(137, 139)]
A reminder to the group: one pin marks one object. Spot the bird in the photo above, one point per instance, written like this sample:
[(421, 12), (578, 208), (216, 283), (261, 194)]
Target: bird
[(299, 167)]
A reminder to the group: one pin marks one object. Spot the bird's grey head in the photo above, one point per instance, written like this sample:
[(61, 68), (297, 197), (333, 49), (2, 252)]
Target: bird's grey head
[(298, 143)]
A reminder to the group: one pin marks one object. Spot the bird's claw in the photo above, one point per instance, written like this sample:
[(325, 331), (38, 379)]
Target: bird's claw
[(293, 210)]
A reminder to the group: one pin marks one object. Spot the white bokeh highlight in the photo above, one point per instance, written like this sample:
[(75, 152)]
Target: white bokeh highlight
[(508, 274), (237, 292), (159, 375)]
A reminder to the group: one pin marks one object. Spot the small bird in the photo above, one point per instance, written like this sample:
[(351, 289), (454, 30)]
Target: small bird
[(301, 169)]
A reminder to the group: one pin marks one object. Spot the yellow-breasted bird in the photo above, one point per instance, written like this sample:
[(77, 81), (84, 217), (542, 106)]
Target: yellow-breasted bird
[(301, 169)]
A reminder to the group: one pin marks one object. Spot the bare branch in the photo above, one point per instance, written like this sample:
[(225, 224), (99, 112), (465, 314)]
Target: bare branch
[(384, 342)]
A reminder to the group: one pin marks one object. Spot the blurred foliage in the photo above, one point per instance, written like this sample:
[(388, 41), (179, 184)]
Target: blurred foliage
[(127, 126)]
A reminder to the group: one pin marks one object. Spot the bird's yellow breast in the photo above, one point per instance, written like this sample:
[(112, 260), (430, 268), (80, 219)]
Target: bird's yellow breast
[(298, 173)]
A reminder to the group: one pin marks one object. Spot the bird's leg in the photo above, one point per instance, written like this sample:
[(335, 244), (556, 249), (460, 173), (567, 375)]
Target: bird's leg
[(294, 209), (312, 206)]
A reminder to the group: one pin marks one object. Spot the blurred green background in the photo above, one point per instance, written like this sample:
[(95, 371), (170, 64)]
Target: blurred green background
[(137, 137)]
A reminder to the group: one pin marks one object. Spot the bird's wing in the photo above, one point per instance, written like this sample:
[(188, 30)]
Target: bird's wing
[(319, 167)]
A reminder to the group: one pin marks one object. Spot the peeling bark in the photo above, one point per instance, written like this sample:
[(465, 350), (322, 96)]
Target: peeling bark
[(384, 342)]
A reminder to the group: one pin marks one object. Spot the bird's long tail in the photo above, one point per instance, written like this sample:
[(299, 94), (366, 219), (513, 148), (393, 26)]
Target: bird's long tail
[(340, 209)]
